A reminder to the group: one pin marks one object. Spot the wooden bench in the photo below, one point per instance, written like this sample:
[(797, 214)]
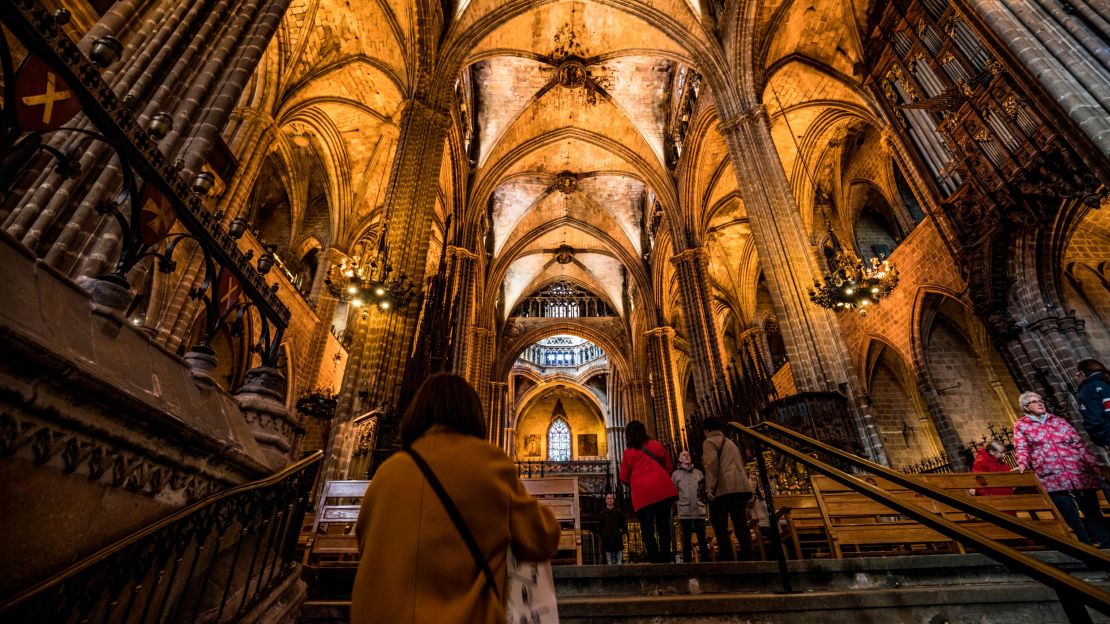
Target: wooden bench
[(332, 538), (805, 528), (560, 495), (859, 526)]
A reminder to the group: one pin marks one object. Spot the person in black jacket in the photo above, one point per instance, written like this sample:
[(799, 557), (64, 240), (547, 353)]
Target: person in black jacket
[(1094, 400), (613, 528)]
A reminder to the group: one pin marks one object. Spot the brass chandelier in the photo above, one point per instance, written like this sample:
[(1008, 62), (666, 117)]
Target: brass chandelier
[(370, 284), (852, 283)]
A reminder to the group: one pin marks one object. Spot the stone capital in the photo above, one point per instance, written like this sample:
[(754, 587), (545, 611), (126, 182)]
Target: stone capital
[(665, 331), (690, 255), (461, 253), (726, 126), (416, 106)]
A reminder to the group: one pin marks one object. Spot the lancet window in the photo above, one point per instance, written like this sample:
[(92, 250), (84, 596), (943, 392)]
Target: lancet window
[(558, 441)]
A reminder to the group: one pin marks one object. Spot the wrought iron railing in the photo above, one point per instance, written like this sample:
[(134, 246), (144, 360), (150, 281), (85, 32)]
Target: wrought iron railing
[(213, 561), (942, 463), (542, 468), (1075, 594)]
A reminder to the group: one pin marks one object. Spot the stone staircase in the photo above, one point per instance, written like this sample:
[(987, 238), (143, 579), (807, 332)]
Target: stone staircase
[(926, 589)]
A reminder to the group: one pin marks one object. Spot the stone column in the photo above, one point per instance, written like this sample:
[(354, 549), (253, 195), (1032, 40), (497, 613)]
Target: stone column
[(942, 424), (818, 357), (462, 302), (811, 335), (692, 266), (637, 392), (667, 413), (385, 339), (498, 413), (479, 360)]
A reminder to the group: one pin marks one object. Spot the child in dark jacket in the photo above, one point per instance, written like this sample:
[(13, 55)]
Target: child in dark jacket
[(613, 528)]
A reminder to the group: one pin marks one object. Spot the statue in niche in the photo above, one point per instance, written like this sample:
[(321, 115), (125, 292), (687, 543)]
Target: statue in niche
[(532, 446)]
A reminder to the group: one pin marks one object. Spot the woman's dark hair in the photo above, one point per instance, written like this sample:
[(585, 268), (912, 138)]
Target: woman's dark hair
[(443, 399), (635, 434), (711, 423), (1091, 366)]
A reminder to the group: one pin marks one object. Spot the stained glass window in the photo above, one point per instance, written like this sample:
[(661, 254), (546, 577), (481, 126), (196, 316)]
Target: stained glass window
[(558, 441)]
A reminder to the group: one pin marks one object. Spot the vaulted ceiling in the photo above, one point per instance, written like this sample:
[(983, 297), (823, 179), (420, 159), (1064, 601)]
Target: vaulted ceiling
[(573, 107)]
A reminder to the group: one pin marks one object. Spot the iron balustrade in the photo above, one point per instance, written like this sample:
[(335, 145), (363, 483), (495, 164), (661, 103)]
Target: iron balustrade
[(212, 561), (147, 175), (1075, 595)]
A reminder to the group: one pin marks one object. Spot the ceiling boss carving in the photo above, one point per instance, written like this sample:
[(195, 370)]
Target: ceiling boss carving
[(566, 182)]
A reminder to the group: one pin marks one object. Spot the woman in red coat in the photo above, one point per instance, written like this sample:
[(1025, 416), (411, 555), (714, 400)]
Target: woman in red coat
[(989, 459), (646, 467)]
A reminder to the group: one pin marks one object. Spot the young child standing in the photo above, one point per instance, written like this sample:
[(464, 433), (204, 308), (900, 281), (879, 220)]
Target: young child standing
[(613, 529), (691, 511)]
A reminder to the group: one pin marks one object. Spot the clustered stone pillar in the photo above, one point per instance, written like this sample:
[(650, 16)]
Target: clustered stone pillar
[(818, 357), (498, 414), (692, 268), (464, 274), (384, 340), (637, 392), (179, 58), (667, 414)]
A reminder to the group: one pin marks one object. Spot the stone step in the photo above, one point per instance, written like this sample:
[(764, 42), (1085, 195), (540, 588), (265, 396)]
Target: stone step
[(1005, 603), (806, 575), (921, 589), (1001, 603)]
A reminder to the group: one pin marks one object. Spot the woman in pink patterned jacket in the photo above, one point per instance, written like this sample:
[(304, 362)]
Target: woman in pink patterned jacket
[(1057, 454)]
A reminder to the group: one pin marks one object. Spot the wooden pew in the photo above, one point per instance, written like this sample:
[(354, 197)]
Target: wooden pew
[(805, 528), (560, 495), (332, 538), (859, 526)]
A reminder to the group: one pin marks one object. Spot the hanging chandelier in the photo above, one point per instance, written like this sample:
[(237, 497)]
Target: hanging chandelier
[(850, 282), (372, 284), (853, 283)]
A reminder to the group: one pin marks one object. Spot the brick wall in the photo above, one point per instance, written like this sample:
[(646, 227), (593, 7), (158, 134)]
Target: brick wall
[(896, 417), (925, 266), (958, 376)]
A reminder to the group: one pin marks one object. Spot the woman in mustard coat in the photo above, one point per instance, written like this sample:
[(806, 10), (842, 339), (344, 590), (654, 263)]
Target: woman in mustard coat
[(415, 567)]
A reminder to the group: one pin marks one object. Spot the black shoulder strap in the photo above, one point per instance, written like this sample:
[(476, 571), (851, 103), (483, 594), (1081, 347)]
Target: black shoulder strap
[(658, 459), (457, 518)]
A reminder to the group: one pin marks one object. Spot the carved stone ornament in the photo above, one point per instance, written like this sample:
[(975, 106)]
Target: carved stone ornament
[(572, 73), (564, 254), (97, 460), (566, 182)]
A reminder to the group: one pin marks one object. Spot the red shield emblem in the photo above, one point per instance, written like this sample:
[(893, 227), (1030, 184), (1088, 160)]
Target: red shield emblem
[(230, 291), (43, 101), (156, 216)]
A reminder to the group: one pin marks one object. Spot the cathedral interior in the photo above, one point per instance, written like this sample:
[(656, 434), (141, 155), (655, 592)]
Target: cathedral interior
[(238, 232)]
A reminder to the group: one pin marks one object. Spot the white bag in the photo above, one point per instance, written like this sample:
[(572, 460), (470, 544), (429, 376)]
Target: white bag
[(530, 593)]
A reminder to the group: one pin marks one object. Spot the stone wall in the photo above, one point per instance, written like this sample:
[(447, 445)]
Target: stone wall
[(101, 429)]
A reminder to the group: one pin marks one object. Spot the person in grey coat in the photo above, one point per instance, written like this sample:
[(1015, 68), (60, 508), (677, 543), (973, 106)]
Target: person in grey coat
[(691, 511), (728, 490)]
